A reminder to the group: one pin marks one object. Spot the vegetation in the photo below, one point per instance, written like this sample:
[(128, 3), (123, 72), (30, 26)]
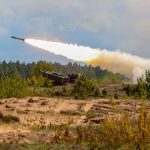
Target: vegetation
[(27, 70), (20, 79), (113, 78), (12, 87), (125, 133), (142, 89), (84, 88)]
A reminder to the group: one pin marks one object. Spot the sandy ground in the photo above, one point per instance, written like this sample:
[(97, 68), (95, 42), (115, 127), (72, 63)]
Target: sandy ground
[(32, 110)]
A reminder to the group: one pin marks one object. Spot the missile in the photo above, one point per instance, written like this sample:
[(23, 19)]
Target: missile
[(16, 38)]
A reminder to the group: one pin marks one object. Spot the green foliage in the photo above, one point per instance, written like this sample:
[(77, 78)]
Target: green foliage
[(129, 89), (36, 81), (126, 131), (112, 78), (30, 76), (18, 69), (12, 87), (141, 89), (84, 88), (41, 66), (27, 70), (39, 86), (39, 81), (147, 80)]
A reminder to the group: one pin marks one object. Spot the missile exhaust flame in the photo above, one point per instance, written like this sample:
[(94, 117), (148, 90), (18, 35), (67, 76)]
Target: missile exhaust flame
[(115, 61)]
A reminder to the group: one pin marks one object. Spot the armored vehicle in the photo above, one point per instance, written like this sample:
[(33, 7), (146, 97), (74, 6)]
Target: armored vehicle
[(59, 79)]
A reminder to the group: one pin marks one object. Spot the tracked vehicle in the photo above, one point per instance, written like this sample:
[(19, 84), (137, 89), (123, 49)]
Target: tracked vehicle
[(59, 79)]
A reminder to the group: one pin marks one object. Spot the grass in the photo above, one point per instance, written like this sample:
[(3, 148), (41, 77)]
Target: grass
[(113, 133), (125, 133)]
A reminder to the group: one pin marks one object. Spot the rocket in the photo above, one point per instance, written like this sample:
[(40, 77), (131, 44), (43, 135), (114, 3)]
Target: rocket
[(16, 38)]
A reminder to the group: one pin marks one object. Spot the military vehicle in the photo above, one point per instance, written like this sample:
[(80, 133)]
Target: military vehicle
[(72, 77), (59, 79)]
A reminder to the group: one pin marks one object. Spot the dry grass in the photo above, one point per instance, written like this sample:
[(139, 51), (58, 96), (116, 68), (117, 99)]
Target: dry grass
[(113, 133), (70, 112), (56, 127)]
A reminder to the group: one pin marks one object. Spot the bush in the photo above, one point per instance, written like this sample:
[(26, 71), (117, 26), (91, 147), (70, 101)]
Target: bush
[(84, 88), (12, 87), (129, 89), (141, 89)]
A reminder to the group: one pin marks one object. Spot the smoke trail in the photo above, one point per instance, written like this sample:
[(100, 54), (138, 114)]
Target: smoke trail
[(120, 62), (116, 61), (75, 52)]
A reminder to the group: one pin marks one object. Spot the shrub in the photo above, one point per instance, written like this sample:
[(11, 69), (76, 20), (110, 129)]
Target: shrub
[(141, 89), (41, 66), (124, 132), (147, 80), (84, 88), (129, 89), (12, 87), (128, 131)]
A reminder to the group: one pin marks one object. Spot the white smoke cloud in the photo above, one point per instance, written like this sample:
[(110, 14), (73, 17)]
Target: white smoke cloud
[(120, 62), (137, 72)]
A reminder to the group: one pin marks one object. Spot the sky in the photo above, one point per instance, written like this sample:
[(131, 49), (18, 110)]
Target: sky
[(104, 24)]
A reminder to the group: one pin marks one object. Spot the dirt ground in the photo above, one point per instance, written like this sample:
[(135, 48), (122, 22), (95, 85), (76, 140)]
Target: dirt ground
[(34, 111)]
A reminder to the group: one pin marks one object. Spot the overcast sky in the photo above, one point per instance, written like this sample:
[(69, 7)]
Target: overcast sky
[(105, 24)]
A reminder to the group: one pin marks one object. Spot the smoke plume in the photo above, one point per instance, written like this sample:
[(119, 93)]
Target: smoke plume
[(115, 61)]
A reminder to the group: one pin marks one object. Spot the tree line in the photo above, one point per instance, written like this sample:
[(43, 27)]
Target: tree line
[(19, 79), (27, 70)]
